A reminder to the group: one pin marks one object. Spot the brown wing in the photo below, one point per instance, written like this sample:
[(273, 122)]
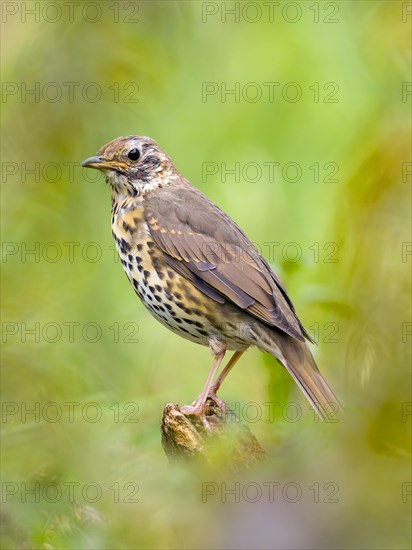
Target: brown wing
[(208, 248)]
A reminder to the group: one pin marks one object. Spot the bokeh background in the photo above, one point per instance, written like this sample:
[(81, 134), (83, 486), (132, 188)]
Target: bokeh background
[(332, 216)]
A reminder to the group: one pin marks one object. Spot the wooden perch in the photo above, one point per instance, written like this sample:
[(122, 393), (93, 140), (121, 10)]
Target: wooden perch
[(189, 437)]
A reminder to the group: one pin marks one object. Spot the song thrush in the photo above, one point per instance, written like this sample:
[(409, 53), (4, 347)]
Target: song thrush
[(197, 272)]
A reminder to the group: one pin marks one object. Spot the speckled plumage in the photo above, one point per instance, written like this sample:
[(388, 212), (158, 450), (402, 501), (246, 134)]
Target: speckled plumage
[(196, 271)]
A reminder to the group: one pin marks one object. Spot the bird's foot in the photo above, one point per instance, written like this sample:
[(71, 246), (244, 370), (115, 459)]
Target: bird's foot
[(212, 395), (195, 409), (198, 409)]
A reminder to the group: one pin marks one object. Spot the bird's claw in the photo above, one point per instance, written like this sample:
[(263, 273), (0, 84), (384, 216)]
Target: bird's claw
[(221, 404), (193, 410)]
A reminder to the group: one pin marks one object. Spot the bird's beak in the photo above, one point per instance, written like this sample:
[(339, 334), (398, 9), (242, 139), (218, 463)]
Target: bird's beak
[(95, 162), (101, 163)]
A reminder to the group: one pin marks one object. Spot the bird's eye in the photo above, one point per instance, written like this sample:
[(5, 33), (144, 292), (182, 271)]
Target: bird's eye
[(134, 154)]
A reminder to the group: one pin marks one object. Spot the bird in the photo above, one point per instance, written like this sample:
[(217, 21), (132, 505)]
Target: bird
[(197, 272)]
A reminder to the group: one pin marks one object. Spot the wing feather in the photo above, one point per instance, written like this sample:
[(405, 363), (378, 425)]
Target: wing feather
[(204, 245)]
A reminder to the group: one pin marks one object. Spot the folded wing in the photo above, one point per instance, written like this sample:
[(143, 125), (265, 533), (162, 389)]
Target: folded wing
[(208, 248)]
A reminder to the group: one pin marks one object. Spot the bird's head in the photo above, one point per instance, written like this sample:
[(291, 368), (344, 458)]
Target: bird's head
[(133, 165)]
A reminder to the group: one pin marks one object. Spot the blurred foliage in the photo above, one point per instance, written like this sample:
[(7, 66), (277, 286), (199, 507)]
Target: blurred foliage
[(359, 306)]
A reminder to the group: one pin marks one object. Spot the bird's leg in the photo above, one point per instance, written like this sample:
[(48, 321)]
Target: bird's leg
[(216, 385), (197, 407)]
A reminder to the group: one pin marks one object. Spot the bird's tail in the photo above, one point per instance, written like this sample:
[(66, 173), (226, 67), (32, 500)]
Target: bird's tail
[(297, 359)]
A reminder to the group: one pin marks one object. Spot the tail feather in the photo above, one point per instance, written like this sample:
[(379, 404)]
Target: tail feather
[(314, 386), (297, 359)]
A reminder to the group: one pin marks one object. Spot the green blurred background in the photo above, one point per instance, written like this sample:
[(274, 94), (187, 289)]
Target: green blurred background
[(333, 219)]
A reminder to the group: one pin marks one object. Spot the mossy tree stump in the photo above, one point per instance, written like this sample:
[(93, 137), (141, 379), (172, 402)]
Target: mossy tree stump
[(187, 437)]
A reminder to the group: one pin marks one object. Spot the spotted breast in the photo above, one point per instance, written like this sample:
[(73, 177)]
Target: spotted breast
[(170, 298)]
